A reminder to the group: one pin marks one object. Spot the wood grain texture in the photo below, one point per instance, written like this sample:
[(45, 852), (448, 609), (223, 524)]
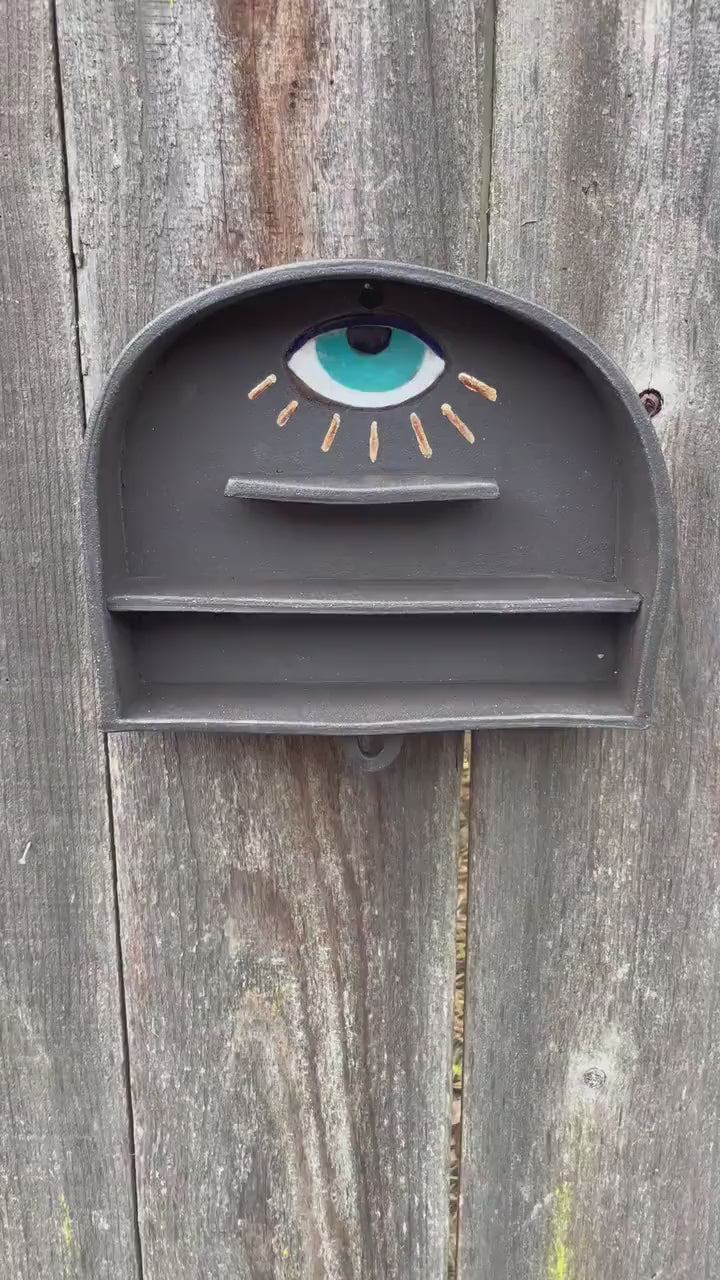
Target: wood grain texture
[(208, 140), (289, 978), (66, 1204), (287, 925), (592, 1080)]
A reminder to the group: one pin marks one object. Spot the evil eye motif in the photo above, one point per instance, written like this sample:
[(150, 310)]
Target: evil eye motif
[(368, 362), (365, 364)]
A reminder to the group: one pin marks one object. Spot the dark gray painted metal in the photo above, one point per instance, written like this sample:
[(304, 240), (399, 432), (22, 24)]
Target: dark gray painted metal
[(568, 449), (361, 490), (371, 754), (503, 595)]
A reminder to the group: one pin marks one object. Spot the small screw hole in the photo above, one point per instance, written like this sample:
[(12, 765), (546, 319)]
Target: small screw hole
[(370, 747), (652, 400)]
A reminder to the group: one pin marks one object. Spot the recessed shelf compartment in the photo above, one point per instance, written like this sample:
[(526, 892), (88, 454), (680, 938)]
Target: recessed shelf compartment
[(371, 709), (365, 490), (490, 595), (260, 669)]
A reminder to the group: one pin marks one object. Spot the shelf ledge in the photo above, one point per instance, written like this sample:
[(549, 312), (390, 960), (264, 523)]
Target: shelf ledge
[(490, 595), (363, 490)]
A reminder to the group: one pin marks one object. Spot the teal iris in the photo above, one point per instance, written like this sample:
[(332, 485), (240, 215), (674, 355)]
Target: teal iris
[(360, 371)]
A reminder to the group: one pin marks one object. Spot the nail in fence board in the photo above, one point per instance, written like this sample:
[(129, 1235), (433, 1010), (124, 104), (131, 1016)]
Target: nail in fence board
[(592, 1070), (66, 1206), (291, 1109)]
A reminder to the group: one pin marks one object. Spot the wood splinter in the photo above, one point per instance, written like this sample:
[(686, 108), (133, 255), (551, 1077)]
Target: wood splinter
[(262, 386), (374, 441), (286, 414), (331, 433), (474, 384), (422, 440), (451, 416)]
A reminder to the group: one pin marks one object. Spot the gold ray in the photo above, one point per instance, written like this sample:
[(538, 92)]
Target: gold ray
[(474, 384), (286, 414), (262, 386), (465, 432), (331, 433), (420, 436), (374, 441)]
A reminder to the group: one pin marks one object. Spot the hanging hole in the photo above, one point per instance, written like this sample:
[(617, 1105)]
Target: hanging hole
[(371, 295), (372, 752)]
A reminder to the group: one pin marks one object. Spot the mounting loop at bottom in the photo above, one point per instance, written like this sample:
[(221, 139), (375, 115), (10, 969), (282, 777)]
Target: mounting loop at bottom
[(373, 752)]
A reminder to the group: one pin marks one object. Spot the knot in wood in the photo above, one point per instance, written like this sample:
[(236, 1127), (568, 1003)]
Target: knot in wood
[(595, 1078)]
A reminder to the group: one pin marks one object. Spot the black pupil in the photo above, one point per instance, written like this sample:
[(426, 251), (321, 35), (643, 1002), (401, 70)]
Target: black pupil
[(369, 339)]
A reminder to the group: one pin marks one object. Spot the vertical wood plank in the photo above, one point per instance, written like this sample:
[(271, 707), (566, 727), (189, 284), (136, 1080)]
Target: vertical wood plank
[(287, 924), (593, 1023), (66, 1204), (290, 968)]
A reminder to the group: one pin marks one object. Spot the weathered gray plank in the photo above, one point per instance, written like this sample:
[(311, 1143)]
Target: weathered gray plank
[(290, 969), (592, 1077), (208, 140), (287, 925), (65, 1179)]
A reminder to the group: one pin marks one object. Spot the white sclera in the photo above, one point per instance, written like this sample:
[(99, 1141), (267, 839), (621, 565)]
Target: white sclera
[(304, 363)]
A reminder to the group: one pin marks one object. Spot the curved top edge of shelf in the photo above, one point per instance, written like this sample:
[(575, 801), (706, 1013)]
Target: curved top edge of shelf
[(361, 489)]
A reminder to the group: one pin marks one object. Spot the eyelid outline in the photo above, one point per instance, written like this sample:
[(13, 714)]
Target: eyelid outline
[(428, 373), (370, 320)]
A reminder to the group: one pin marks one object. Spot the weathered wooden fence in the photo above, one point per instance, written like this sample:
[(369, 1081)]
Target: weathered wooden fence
[(227, 964)]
